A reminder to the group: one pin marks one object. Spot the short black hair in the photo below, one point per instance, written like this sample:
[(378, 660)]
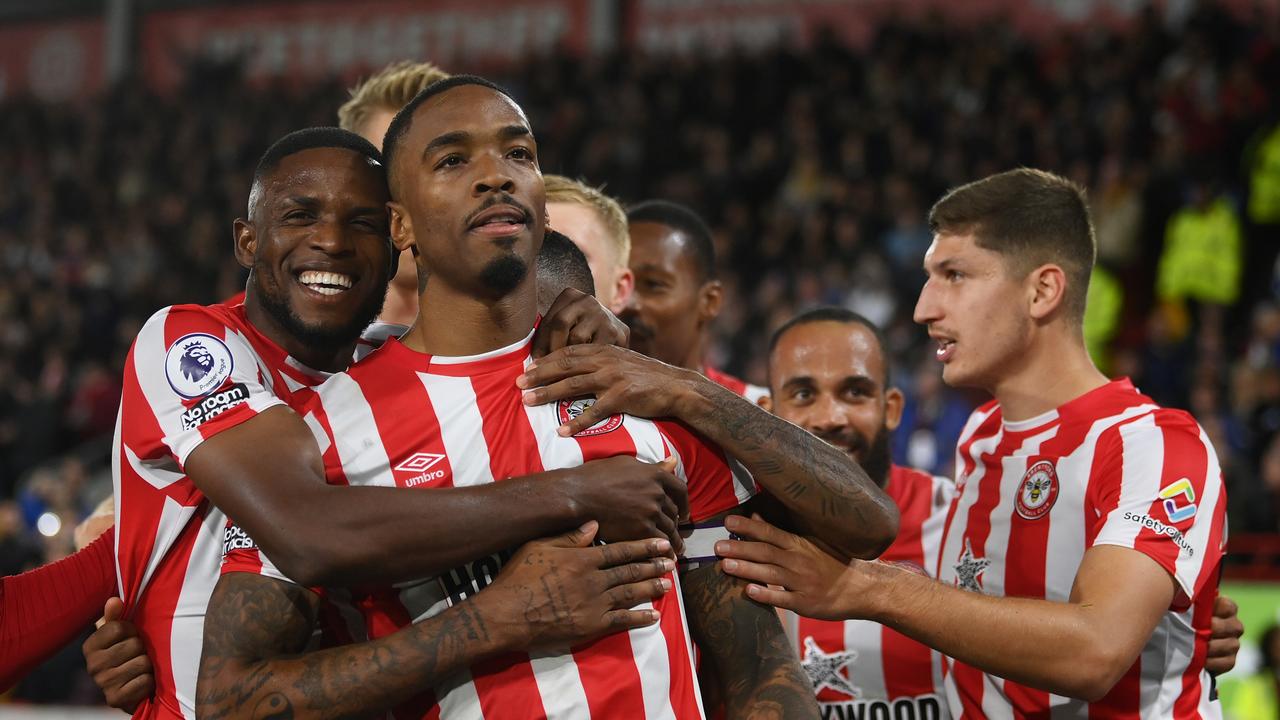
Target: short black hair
[(403, 120), (561, 264), (839, 315), (308, 139), (684, 219)]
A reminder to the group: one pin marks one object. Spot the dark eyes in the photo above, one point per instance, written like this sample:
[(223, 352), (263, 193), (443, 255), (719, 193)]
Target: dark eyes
[(299, 215), (521, 153)]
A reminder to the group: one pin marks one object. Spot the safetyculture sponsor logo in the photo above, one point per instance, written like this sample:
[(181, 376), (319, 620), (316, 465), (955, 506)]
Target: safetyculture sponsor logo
[(1151, 523), (1171, 493)]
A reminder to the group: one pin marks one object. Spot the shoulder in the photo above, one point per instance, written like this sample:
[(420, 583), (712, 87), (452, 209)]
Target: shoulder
[(986, 415), (909, 487)]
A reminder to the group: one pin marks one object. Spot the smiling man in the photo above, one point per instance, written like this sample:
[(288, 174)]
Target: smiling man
[(1079, 563), (468, 193), (205, 428)]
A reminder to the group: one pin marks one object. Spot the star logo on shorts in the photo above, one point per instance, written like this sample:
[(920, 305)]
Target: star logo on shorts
[(969, 568), (824, 669)]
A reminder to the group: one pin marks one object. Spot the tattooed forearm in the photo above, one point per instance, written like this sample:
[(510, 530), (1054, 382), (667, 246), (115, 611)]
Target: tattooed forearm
[(825, 493), (255, 627), (744, 650)]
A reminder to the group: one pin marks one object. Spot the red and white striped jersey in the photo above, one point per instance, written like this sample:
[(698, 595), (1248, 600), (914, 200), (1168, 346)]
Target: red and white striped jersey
[(742, 387), (862, 669), (193, 372), (1108, 468), (405, 419)]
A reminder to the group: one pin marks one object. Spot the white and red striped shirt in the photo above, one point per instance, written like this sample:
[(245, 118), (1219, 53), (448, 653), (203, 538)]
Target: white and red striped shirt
[(862, 669), (1108, 468), (742, 387), (406, 419), (193, 372)]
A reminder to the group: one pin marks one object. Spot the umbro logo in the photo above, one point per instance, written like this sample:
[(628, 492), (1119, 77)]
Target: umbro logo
[(419, 462), (420, 465)]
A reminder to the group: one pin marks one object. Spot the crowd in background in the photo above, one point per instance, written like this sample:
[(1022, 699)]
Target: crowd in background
[(815, 169)]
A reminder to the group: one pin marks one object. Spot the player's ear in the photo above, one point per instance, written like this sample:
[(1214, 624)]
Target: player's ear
[(246, 240), (623, 286), (894, 401), (401, 228), (1047, 289), (710, 300), (765, 402)]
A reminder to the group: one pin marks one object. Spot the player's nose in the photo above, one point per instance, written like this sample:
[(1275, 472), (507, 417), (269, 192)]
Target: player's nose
[(928, 308), (492, 175)]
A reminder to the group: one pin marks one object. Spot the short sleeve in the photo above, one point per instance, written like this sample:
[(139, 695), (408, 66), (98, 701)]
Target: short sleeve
[(241, 554), (190, 375), (717, 483), (1157, 488)]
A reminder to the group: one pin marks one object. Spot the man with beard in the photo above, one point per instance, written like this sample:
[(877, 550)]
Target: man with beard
[(367, 113), (469, 195), (1078, 568), (677, 294), (205, 385), (829, 375)]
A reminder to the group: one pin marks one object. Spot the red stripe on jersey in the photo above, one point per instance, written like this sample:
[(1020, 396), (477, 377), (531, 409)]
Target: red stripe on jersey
[(1125, 698), (682, 691), (401, 438), (713, 491), (513, 448), (978, 523), (1188, 703), (159, 604), (969, 680), (907, 664), (607, 683), (607, 444), (609, 677), (507, 688)]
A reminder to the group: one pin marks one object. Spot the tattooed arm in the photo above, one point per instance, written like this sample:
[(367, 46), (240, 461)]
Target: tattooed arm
[(747, 661), (552, 593), (826, 496)]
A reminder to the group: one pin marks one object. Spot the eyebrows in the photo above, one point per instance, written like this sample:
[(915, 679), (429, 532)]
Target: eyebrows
[(462, 137), (862, 382), (313, 202)]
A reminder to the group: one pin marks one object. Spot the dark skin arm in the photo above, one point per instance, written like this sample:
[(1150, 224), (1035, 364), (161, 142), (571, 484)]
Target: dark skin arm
[(553, 593), (747, 661), (823, 493), (376, 534)]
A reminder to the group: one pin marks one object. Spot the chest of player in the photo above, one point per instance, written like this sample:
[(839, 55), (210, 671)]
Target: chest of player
[(861, 669), (1020, 524), (441, 431)]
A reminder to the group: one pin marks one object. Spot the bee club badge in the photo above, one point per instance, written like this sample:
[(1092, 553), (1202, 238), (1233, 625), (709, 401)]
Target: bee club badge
[(571, 409), (1038, 492)]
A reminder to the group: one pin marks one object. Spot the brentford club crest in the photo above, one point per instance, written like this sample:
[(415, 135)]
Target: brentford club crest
[(1038, 492), (571, 409)]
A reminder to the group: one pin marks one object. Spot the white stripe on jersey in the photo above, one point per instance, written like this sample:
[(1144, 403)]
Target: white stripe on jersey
[(173, 519), (458, 699), (187, 638), (953, 542), (463, 433), (1188, 567), (558, 681), (355, 434), (1014, 467)]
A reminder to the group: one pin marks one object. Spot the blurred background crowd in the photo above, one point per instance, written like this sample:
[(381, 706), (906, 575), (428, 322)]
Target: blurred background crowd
[(815, 166)]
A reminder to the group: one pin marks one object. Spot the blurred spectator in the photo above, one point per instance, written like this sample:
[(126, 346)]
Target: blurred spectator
[(1256, 698), (1203, 250)]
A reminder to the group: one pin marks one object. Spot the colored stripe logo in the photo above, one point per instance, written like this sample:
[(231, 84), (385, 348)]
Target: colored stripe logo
[(1170, 494)]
